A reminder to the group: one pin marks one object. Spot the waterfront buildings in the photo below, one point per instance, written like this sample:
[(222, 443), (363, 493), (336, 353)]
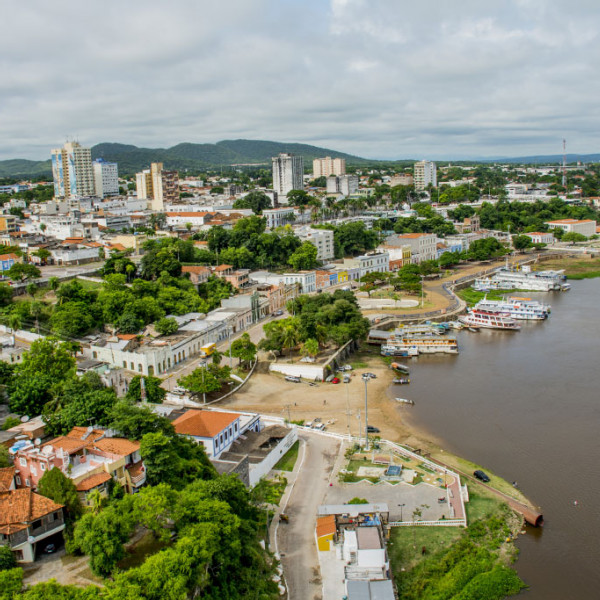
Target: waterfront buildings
[(324, 167), (288, 173), (425, 174), (72, 171), (538, 237), (423, 245), (106, 178), (376, 262), (586, 227)]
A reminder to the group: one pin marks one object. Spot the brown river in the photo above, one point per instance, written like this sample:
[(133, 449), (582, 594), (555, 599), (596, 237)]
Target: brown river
[(526, 405)]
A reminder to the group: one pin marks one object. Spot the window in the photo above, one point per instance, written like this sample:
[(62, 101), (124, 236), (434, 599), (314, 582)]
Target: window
[(27, 483), (33, 471), (18, 480), (56, 516), (23, 461), (36, 524), (42, 466)]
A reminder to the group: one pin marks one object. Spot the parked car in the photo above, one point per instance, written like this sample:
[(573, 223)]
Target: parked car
[(292, 378), (481, 476), (371, 429), (277, 313), (346, 378), (335, 380), (329, 378), (371, 375)]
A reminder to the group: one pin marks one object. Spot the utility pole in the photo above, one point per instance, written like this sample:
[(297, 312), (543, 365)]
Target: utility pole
[(564, 165), (366, 380), (287, 406)]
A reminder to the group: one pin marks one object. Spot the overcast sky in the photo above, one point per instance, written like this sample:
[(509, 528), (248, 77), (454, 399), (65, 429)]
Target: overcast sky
[(376, 78)]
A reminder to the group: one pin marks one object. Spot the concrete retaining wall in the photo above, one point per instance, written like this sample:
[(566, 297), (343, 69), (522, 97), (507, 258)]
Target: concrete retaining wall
[(259, 470)]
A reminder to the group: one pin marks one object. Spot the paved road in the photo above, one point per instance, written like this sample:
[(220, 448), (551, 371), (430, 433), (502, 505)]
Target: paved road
[(296, 539), (256, 334)]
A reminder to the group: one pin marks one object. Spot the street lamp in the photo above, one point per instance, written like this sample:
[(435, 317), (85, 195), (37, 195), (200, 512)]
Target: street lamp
[(203, 366), (366, 380), (347, 383), (401, 506), (229, 329)]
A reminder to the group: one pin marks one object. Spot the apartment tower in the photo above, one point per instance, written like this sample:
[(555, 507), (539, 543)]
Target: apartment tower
[(288, 173), (425, 173), (324, 167), (106, 178), (72, 171)]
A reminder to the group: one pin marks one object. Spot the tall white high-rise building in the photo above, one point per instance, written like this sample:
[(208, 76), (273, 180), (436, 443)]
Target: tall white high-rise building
[(328, 166), (288, 173), (106, 178), (72, 171), (425, 173)]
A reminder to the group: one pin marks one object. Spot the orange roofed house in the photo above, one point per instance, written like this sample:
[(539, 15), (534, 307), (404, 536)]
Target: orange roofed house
[(215, 430), (28, 521), (89, 457)]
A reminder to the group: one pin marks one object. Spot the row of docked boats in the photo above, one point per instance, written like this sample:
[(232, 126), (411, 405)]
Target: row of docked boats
[(524, 279), (504, 314)]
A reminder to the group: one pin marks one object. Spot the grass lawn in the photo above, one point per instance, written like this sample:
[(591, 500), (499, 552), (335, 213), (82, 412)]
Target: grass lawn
[(89, 285), (359, 364), (269, 491), (406, 543), (575, 269), (288, 460), (481, 504), (138, 553), (471, 296)]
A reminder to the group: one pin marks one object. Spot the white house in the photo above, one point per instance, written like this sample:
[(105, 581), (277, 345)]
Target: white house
[(538, 237), (321, 238), (277, 217), (376, 262), (423, 245), (215, 430), (586, 227)]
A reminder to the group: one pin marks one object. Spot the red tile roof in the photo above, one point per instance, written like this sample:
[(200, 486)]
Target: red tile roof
[(195, 269), (203, 423), (6, 478), (9, 256), (118, 446), (326, 525), (223, 268), (92, 481), (22, 506)]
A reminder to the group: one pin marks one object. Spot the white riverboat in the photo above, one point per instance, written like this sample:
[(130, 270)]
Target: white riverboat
[(523, 309), (414, 345), (489, 320)]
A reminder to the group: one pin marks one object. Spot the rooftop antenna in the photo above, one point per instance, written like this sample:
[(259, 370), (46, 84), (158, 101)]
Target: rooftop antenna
[(564, 165)]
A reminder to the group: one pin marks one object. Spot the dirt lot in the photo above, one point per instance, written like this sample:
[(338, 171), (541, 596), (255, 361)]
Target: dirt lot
[(271, 394)]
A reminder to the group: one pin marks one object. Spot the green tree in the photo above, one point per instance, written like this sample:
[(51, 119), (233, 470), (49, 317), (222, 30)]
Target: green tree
[(310, 348), (5, 458), (160, 458), (154, 393), (46, 365), (101, 537), (573, 237), (521, 242), (59, 488), (11, 583), (72, 319), (304, 258), (200, 382), (166, 326), (298, 198), (78, 403), (255, 201), (6, 294), (244, 349), (133, 422), (7, 559), (23, 271)]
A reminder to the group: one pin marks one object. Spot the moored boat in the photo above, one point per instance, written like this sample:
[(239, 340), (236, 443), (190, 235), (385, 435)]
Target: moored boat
[(489, 320), (404, 401), (401, 381)]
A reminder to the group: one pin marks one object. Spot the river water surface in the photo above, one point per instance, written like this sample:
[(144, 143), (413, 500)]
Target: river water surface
[(526, 405)]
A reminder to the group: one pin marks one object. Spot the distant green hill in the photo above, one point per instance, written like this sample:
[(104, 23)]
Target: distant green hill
[(19, 167), (202, 156), (185, 156)]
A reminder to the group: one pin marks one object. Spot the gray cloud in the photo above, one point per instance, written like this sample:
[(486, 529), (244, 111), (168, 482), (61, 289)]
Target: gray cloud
[(377, 78)]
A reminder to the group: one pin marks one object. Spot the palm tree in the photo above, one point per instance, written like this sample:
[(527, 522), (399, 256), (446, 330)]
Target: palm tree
[(14, 321), (289, 337), (53, 283), (95, 500), (310, 348), (217, 357)]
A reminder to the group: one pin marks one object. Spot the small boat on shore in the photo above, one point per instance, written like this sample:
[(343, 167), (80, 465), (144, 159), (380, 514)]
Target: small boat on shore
[(401, 381), (473, 329), (405, 401), (400, 367)]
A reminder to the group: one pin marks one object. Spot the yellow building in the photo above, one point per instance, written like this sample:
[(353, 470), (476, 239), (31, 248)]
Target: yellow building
[(326, 530), (8, 223)]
